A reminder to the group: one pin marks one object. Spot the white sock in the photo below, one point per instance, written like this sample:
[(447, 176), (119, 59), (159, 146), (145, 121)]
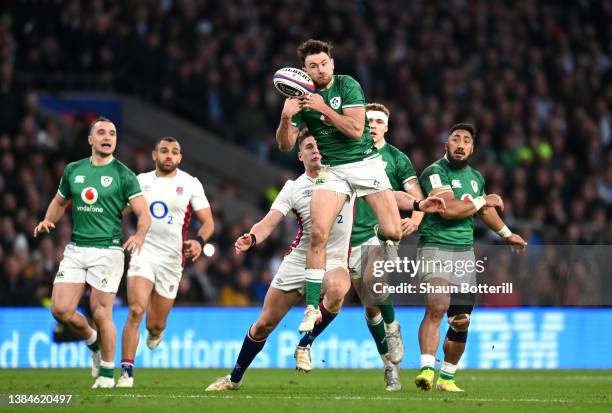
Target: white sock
[(315, 275), (374, 321), (92, 339), (107, 364), (448, 369), (427, 360)]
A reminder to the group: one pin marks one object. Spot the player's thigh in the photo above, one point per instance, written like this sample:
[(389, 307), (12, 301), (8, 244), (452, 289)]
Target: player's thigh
[(325, 206), (65, 297), (384, 207), (139, 289), (277, 304)]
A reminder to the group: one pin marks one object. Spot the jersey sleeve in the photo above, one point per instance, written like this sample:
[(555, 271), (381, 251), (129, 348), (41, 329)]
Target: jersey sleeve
[(64, 186), (352, 94), (198, 199), (434, 177), (481, 183), (131, 186), (296, 120), (405, 170), (283, 202)]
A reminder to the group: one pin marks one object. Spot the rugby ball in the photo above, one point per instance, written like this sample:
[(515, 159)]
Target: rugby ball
[(293, 83)]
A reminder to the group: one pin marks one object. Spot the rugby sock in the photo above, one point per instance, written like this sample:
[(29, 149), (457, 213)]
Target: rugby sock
[(428, 361), (377, 329), (326, 318), (106, 369), (314, 278), (92, 342), (250, 349), (127, 365), (388, 313), (448, 370)]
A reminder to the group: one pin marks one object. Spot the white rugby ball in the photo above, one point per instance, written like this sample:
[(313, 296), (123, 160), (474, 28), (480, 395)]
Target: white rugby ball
[(293, 83)]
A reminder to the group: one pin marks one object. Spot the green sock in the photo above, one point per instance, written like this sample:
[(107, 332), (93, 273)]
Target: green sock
[(94, 346), (377, 329), (387, 312), (313, 293), (106, 372)]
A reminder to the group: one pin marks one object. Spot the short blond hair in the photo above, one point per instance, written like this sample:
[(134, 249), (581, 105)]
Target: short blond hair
[(378, 106)]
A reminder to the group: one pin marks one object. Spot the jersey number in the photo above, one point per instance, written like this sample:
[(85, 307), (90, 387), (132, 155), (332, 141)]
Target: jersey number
[(340, 219)]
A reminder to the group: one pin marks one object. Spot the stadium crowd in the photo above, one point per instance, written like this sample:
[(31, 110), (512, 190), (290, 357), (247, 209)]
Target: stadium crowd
[(535, 77)]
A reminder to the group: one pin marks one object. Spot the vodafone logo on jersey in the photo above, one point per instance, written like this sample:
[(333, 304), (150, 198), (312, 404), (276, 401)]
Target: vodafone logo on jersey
[(89, 195)]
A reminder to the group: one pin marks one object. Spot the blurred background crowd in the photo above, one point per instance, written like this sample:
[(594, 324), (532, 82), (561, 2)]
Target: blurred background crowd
[(535, 77)]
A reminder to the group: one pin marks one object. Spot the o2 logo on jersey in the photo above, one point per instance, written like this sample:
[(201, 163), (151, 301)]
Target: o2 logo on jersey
[(89, 195), (159, 210)]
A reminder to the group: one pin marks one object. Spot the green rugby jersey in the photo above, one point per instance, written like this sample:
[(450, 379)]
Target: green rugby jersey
[(399, 169), (99, 194), (335, 147), (466, 183)]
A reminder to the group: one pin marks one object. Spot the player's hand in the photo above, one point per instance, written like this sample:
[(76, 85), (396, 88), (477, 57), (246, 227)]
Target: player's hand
[(517, 243), (291, 107), (43, 226), (432, 205), (314, 102), (494, 200), (408, 226), (192, 248), (134, 244), (243, 243)]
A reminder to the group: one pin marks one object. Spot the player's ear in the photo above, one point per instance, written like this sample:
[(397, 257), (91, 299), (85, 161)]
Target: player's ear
[(300, 157), (154, 155), (89, 140)]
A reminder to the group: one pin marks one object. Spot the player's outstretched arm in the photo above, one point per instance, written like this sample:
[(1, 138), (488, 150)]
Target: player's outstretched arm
[(141, 210), (56, 210), (193, 247), (259, 232), (491, 219), (414, 189), (286, 133)]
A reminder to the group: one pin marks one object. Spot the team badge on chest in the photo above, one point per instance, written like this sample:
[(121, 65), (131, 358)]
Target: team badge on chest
[(106, 181), (474, 185), (335, 102), (179, 190)]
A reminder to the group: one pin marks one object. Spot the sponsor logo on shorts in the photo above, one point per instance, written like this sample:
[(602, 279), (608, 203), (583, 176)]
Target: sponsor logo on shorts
[(376, 183), (171, 288), (79, 179), (60, 274), (106, 181), (103, 282), (307, 193)]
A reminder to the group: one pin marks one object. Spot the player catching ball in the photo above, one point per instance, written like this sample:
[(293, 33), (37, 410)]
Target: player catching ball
[(352, 166)]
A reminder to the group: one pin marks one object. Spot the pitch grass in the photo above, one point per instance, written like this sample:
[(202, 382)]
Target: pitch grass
[(322, 390)]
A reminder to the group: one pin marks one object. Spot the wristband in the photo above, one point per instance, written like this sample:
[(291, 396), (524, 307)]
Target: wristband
[(201, 241), (478, 202), (415, 205), (504, 232), (253, 241)]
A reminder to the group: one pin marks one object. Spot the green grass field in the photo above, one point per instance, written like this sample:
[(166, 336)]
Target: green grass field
[(323, 390)]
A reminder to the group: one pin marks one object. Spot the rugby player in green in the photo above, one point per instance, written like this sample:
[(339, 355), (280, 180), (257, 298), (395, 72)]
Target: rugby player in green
[(449, 236), (335, 115), (100, 187)]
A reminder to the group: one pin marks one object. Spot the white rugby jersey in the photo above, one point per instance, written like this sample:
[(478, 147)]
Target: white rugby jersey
[(171, 202), (295, 196)]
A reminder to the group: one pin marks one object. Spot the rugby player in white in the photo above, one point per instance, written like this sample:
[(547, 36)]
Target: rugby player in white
[(154, 275), (287, 287)]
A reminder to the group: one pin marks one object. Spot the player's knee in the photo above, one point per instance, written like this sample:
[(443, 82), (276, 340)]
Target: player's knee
[(101, 313), (136, 311), (436, 311), (62, 313), (155, 329), (336, 289), (371, 312)]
